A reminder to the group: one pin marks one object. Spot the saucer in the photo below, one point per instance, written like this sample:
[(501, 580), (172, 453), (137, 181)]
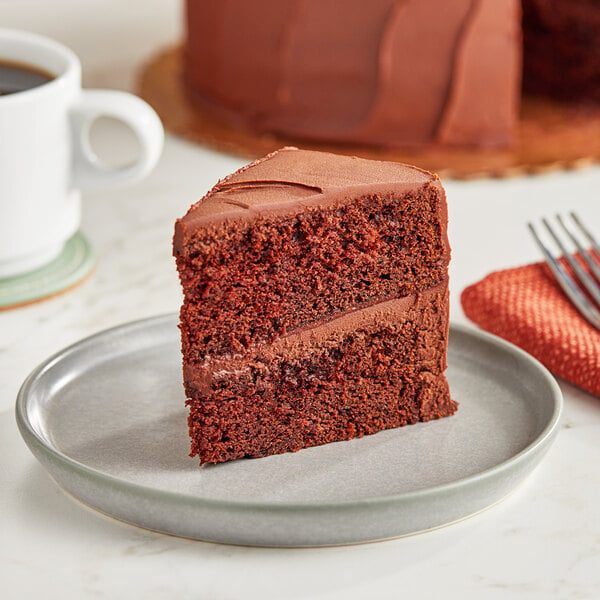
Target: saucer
[(69, 268)]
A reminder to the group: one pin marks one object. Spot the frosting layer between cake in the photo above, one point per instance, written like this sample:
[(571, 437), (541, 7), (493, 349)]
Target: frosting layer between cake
[(327, 334)]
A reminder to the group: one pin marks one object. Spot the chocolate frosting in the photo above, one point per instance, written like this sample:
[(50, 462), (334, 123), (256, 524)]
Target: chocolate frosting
[(382, 72), (329, 332), (292, 180)]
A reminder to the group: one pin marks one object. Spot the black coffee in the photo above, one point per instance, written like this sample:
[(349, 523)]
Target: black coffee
[(17, 77)]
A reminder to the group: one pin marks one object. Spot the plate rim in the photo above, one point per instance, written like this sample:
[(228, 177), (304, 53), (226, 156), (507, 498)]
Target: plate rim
[(34, 440)]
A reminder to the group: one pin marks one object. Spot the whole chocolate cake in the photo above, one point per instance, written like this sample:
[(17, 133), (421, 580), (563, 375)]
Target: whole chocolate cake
[(315, 304), (384, 72)]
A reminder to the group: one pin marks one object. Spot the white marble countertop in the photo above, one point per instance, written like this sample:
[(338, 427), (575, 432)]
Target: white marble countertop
[(541, 542)]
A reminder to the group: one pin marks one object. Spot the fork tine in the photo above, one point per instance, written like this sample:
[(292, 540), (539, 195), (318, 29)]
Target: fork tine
[(587, 257), (566, 282), (590, 285), (586, 232)]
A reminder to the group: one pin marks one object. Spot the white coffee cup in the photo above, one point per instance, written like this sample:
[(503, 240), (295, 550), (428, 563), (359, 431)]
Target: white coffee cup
[(46, 159)]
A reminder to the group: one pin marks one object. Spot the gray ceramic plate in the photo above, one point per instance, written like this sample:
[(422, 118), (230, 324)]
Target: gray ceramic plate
[(106, 418)]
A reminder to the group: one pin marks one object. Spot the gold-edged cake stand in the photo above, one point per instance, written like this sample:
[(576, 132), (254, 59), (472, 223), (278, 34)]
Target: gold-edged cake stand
[(551, 136)]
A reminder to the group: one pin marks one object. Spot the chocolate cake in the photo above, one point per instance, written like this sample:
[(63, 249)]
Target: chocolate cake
[(562, 49), (315, 304), (386, 73)]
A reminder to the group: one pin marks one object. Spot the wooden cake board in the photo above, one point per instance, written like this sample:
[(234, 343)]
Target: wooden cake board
[(551, 136)]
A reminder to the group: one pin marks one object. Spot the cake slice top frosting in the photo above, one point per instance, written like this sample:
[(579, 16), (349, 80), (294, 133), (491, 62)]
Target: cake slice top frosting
[(290, 180)]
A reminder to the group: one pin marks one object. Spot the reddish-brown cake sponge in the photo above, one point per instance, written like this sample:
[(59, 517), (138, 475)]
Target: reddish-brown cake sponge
[(315, 304), (562, 49)]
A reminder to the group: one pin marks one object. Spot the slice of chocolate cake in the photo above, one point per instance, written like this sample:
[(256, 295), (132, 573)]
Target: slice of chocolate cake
[(315, 304)]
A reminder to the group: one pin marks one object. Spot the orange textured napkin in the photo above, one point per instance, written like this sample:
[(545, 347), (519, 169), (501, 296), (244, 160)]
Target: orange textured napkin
[(527, 307)]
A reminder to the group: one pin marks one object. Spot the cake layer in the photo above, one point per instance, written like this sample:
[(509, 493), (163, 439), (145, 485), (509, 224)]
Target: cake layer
[(562, 49), (368, 370), (256, 262), (383, 72)]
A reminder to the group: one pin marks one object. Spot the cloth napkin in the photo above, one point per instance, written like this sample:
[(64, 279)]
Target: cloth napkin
[(526, 306)]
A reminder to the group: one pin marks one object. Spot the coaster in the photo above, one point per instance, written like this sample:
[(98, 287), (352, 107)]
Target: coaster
[(551, 136), (69, 268)]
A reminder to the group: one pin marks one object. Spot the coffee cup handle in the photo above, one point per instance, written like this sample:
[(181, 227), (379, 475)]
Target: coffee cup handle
[(89, 172)]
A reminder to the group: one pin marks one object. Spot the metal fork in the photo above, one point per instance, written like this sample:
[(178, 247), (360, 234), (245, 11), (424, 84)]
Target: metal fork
[(572, 288)]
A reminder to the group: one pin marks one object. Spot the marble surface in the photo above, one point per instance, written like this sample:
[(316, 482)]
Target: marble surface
[(541, 542)]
